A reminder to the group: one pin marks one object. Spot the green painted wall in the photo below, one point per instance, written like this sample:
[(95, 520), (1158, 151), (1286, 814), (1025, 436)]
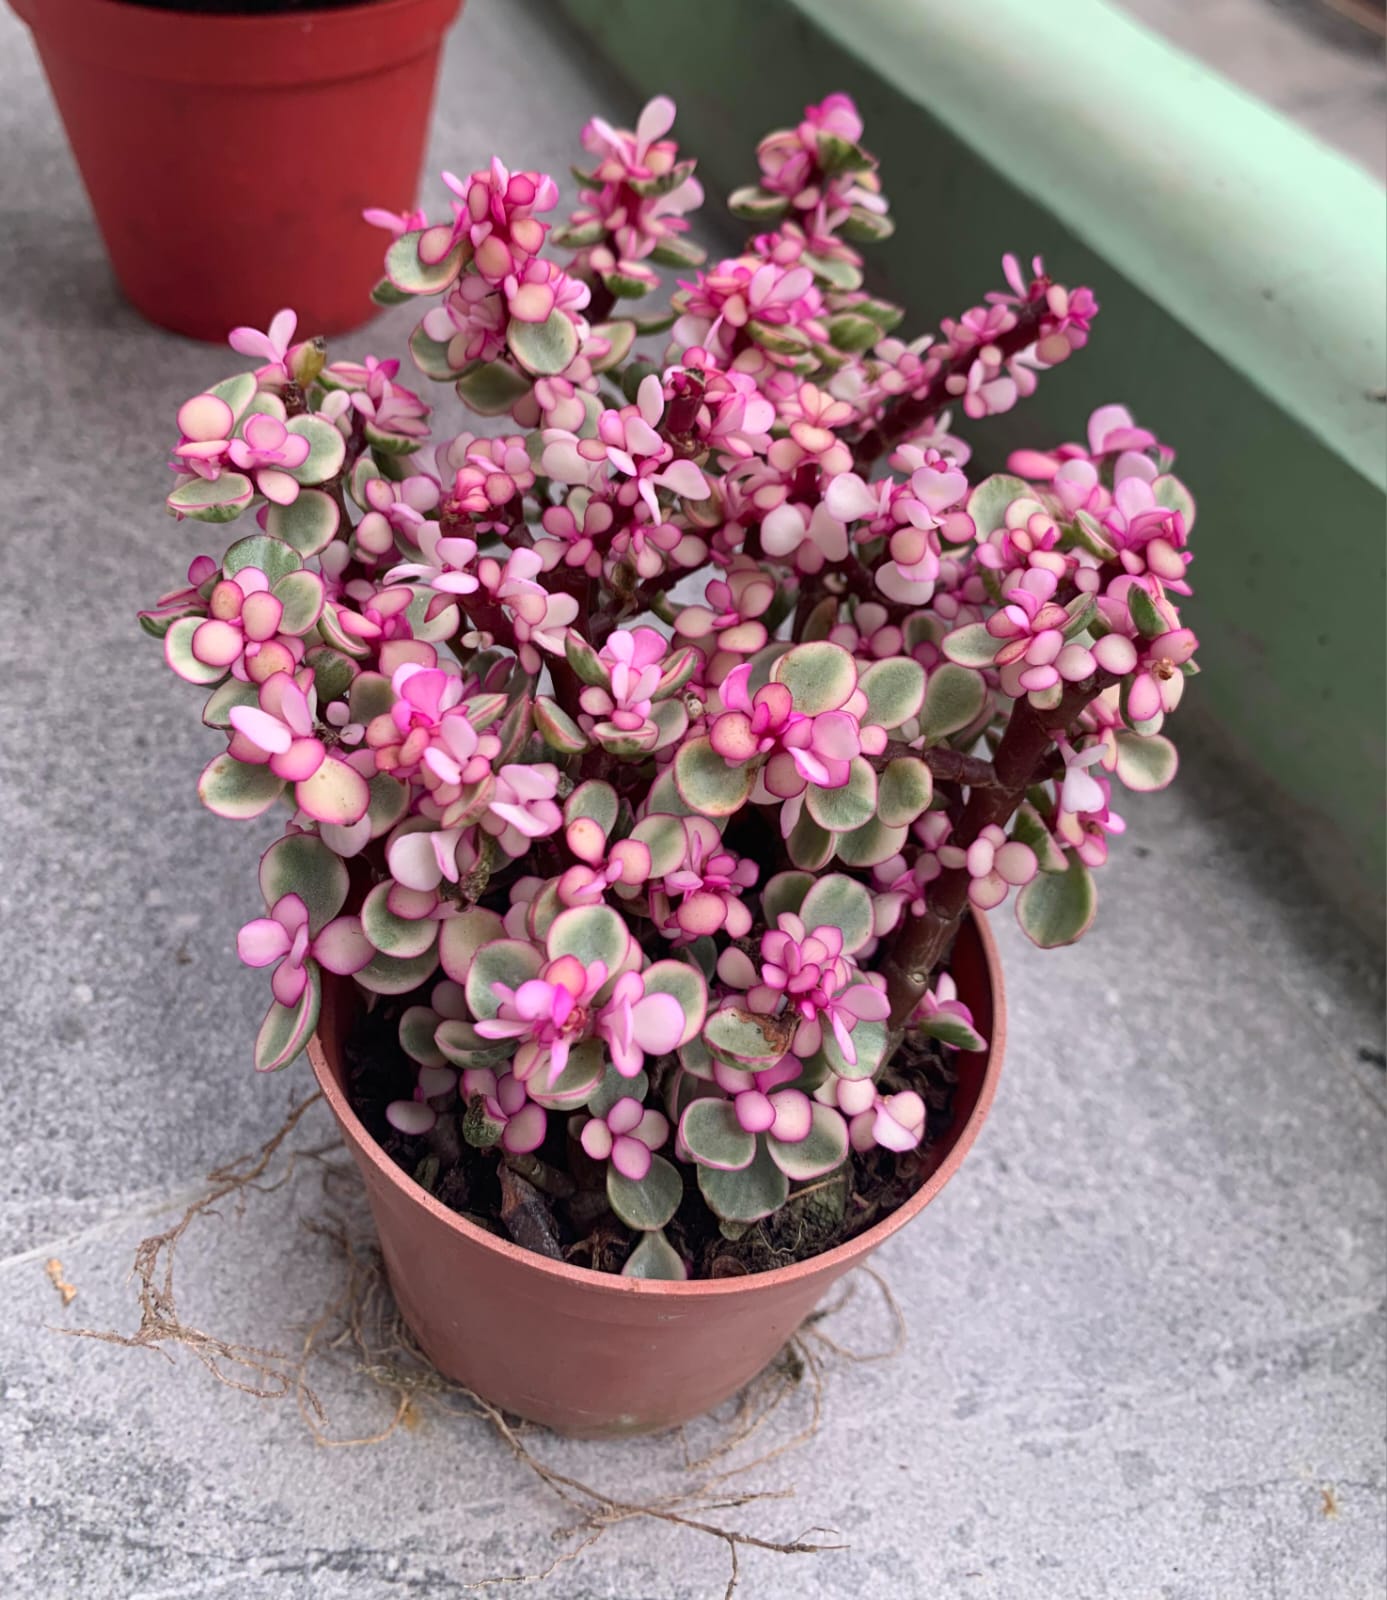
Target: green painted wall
[(1284, 456)]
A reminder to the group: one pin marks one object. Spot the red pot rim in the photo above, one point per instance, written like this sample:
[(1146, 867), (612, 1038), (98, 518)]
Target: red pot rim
[(291, 47), (614, 1283)]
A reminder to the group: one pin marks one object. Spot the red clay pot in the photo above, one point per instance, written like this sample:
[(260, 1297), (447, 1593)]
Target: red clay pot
[(594, 1354), (229, 159)]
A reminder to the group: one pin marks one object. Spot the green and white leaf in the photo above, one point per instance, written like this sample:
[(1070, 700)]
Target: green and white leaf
[(614, 1087), (332, 673), (869, 1045), (954, 697), (648, 323), (585, 661), (990, 501), (286, 1030), (744, 1039), (393, 935), (410, 275), (327, 449), (1056, 908), (1028, 827), (272, 556), (386, 294), (178, 652), (431, 356), (582, 1073), (459, 1043), (1145, 764), (655, 1258), (696, 1060), (418, 1026), (1145, 613), (591, 933), (1080, 611), (707, 783), (237, 392), (543, 348), (234, 789), (852, 333), (578, 236), (558, 730), (301, 864), (649, 1204), (389, 798), (714, 1137), (620, 336), (825, 1147), (686, 985), (371, 696), (953, 1031), (507, 961), (221, 499), (970, 646), (820, 676), (1090, 534), (492, 388), (663, 836), (843, 903), (905, 791), (871, 844), (842, 275), (895, 691), (748, 1194), (754, 204), (594, 800), (850, 806), (308, 525), (387, 975), (665, 798), (784, 892), (809, 846), (1174, 496), (220, 703), (301, 595)]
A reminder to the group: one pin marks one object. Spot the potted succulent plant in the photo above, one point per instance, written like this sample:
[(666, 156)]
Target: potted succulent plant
[(651, 762), (229, 147)]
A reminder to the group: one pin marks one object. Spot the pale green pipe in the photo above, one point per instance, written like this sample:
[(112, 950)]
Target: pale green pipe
[(1270, 247)]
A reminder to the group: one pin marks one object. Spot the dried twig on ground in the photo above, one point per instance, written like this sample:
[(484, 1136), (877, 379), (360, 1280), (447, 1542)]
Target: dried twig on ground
[(54, 1268), (276, 1374), (362, 1329)]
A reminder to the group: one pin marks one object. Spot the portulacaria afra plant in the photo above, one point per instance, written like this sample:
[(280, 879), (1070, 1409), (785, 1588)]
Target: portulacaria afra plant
[(658, 740)]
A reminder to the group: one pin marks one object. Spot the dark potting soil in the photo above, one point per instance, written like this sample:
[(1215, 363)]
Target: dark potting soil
[(554, 1201)]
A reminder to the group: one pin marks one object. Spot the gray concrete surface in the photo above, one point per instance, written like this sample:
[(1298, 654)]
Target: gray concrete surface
[(1146, 1352), (1307, 58)]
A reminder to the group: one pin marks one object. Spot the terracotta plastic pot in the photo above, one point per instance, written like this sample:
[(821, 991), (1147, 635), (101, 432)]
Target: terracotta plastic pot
[(593, 1353), (229, 158)]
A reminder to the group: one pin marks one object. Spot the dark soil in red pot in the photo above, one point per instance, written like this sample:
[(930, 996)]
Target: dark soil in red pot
[(553, 1201)]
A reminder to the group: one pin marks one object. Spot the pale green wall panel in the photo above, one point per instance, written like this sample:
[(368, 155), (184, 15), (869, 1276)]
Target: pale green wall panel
[(1243, 303)]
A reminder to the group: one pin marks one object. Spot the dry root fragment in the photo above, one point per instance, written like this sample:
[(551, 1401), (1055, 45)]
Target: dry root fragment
[(273, 1375), (363, 1328), (54, 1268)]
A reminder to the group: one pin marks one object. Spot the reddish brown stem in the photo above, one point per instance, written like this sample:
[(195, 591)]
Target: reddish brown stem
[(601, 303), (911, 412), (1028, 742), (945, 764)]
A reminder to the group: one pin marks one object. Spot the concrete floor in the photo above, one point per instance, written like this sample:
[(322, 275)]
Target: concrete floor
[(1305, 57), (1145, 1352)]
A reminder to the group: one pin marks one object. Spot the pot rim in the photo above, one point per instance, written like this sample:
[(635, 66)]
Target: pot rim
[(278, 50), (841, 1257)]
